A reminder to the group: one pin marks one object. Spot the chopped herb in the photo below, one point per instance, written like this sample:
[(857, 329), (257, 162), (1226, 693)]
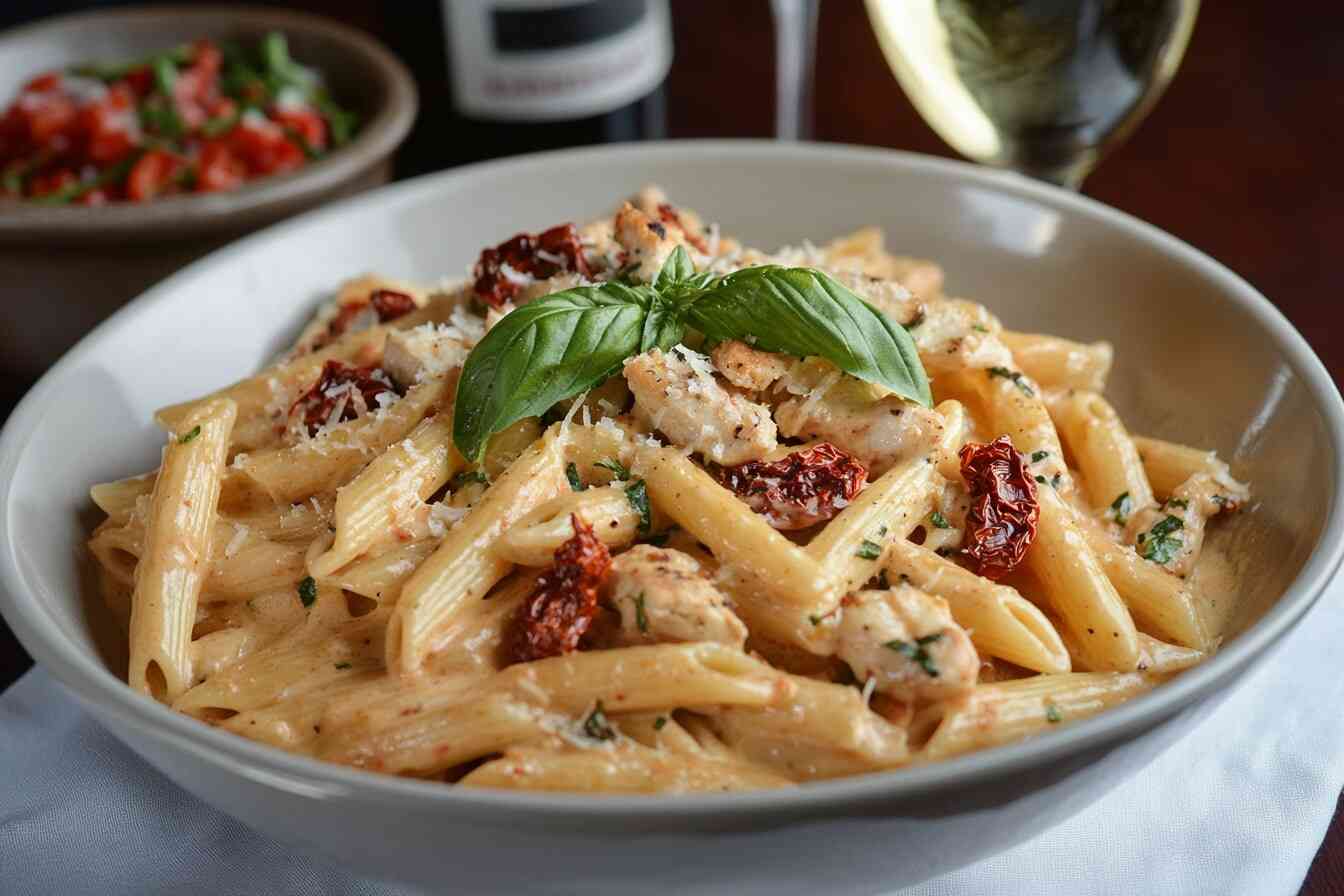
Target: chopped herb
[(618, 469), (641, 619), (1178, 502), (195, 431), (1018, 380), (1121, 508), (1053, 715), (637, 493), (939, 521), (659, 722), (868, 550), (469, 476), (343, 666), (596, 725), (916, 651), (572, 474), (1161, 546), (1038, 456), (307, 591)]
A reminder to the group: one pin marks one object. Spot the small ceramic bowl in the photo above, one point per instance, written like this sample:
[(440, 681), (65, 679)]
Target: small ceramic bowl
[(64, 268), (1201, 358)]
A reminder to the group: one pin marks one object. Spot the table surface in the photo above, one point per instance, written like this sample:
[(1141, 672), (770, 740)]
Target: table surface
[(1239, 158)]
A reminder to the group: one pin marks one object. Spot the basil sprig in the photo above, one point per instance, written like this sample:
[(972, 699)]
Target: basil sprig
[(565, 343)]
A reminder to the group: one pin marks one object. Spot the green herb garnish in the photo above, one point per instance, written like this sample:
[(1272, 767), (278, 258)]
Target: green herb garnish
[(307, 591), (618, 470), (917, 651), (1016, 376), (869, 550), (637, 494), (596, 725), (1160, 545), (190, 436), (641, 620), (1121, 508)]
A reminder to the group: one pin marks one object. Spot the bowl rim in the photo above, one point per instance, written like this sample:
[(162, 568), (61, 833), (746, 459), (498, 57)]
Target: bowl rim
[(84, 673), (185, 216)]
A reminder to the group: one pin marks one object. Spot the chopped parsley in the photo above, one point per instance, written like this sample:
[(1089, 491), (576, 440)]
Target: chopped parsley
[(641, 619), (939, 521), (637, 493), (1121, 508), (1038, 456), (572, 474), (1160, 545), (917, 652), (618, 469), (596, 725), (307, 591), (1053, 715), (195, 431), (1017, 379), (1178, 502), (468, 476), (868, 550), (659, 722), (343, 666)]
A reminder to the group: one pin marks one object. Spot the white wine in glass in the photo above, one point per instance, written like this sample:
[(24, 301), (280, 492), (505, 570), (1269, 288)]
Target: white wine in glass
[(1044, 87)]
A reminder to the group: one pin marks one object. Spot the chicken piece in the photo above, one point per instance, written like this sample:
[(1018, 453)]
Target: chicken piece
[(1173, 534), (677, 394), (880, 430), (663, 596), (425, 352), (906, 641), (647, 241), (748, 368)]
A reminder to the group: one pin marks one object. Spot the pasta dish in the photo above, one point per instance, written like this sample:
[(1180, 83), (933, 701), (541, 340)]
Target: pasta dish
[(638, 508)]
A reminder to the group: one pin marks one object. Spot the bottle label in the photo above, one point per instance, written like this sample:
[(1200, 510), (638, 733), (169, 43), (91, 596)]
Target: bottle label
[(548, 60)]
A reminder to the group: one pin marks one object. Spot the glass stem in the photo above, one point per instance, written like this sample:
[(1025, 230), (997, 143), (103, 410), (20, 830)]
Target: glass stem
[(795, 58)]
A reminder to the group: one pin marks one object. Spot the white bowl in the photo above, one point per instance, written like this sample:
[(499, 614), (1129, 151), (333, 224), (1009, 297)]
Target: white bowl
[(1201, 357)]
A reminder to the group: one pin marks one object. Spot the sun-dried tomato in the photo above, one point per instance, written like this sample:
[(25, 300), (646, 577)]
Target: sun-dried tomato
[(562, 607), (668, 213), (800, 490), (391, 304), (502, 271), (342, 392), (1001, 523)]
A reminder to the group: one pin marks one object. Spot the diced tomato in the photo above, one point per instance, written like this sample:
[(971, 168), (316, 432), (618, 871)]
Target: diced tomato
[(52, 182), (304, 122), (153, 175), (43, 83), (219, 168)]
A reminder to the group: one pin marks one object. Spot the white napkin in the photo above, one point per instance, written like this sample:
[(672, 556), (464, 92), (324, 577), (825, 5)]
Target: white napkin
[(1240, 806)]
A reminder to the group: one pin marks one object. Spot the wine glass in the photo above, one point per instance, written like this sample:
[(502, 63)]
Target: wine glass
[(1044, 87)]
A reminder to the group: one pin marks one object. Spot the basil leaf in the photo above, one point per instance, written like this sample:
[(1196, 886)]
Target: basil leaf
[(663, 327), (803, 312), (678, 267), (544, 352)]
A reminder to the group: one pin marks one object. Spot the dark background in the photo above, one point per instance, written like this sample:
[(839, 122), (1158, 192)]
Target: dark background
[(1241, 158)]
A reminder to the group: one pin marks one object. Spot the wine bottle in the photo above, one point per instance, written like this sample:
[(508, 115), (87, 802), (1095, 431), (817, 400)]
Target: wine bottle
[(524, 75)]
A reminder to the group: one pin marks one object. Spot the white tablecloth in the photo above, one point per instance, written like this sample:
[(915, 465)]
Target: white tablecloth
[(1239, 807)]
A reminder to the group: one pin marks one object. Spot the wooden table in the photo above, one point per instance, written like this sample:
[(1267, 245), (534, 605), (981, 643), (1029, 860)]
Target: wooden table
[(1240, 158)]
